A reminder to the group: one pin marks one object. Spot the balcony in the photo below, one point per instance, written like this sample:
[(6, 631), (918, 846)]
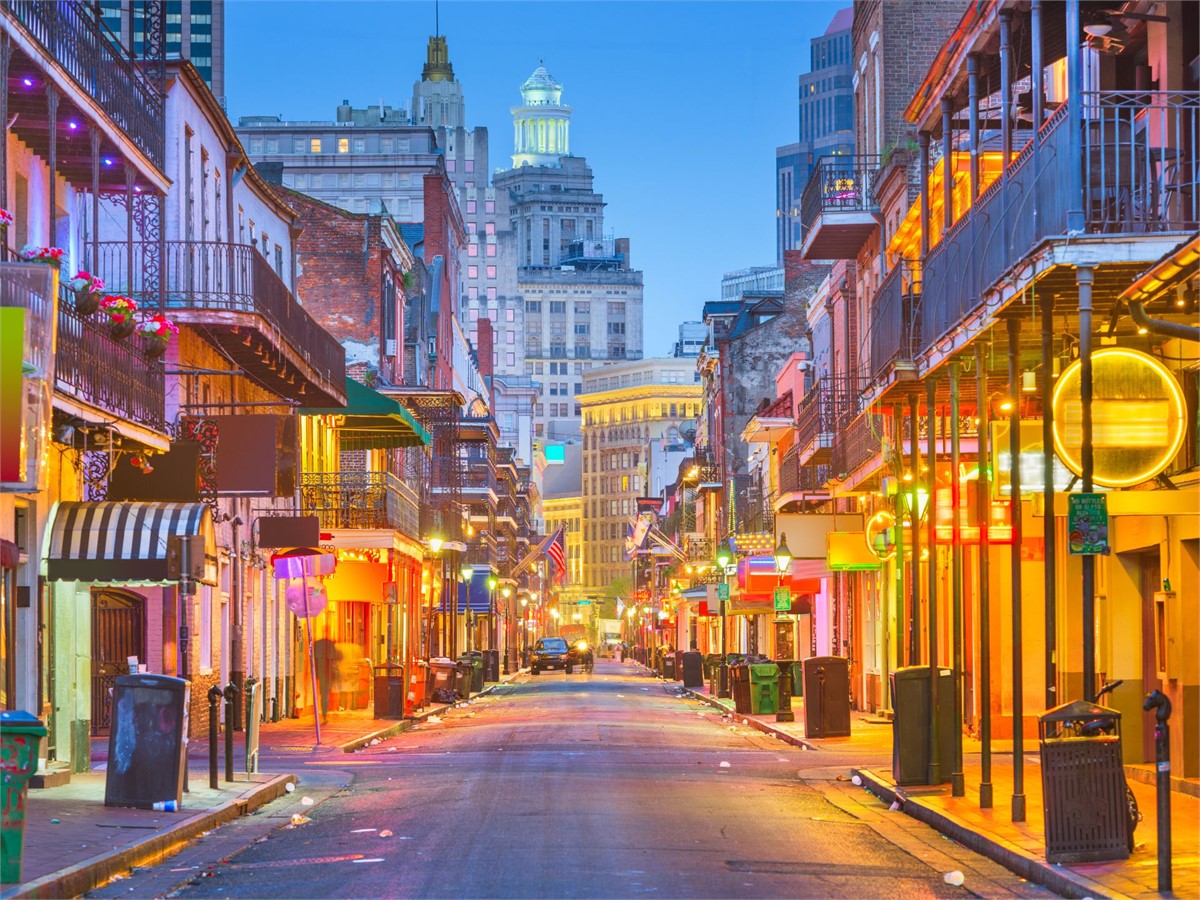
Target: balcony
[(235, 300), (838, 209), (859, 446), (796, 478), (70, 34), (360, 500), (896, 320)]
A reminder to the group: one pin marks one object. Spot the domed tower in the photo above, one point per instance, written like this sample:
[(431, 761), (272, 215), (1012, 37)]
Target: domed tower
[(438, 96), (541, 125)]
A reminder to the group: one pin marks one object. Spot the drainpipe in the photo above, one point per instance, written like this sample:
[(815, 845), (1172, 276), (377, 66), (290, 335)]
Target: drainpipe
[(1137, 312), (973, 121), (1083, 279), (1074, 128)]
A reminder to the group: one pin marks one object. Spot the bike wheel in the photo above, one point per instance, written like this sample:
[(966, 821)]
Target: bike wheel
[(1135, 814)]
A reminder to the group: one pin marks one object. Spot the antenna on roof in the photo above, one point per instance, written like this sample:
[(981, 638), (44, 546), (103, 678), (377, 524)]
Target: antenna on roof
[(437, 28)]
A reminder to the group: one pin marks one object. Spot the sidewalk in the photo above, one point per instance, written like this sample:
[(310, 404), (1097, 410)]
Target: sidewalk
[(867, 754), (73, 842)]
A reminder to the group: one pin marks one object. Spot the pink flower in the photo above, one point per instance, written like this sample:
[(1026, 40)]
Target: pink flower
[(119, 309), (159, 326), (86, 282), (49, 255), (6, 218)]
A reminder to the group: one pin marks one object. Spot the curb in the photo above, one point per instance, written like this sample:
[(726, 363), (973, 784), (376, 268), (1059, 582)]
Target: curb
[(1058, 879), (764, 727), (77, 880)]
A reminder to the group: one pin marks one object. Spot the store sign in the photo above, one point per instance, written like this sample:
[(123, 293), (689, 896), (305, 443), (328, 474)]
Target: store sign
[(783, 599), (881, 535), (847, 551), (1087, 525), (1138, 417), (723, 591)]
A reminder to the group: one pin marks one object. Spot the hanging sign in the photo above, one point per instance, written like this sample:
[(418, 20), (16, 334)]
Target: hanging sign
[(783, 599), (1087, 524)]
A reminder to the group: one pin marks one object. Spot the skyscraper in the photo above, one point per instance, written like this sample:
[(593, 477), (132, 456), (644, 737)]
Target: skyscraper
[(195, 31)]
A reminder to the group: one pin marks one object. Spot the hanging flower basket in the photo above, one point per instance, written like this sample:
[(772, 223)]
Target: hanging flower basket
[(6, 219), (156, 332), (121, 330), (153, 346), (120, 312), (87, 288), (50, 256)]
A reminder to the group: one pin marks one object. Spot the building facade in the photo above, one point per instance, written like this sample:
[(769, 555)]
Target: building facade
[(195, 31)]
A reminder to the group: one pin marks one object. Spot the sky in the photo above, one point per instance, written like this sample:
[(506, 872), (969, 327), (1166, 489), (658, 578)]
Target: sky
[(678, 105)]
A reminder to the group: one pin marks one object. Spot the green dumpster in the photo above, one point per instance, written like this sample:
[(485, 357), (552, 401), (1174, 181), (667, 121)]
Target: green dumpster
[(798, 678), (20, 738), (764, 687)]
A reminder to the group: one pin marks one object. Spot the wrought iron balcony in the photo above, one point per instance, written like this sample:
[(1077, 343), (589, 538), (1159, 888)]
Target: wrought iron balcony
[(838, 206), (858, 443), (244, 307), (366, 500), (798, 478), (698, 548), (72, 36), (896, 319)]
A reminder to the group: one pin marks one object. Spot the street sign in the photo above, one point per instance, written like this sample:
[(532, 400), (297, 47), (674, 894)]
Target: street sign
[(783, 599), (584, 603), (1087, 524), (722, 592)]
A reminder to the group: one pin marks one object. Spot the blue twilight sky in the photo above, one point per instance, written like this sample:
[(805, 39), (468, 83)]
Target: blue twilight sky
[(678, 106)]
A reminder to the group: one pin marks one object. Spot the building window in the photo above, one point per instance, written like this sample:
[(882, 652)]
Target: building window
[(314, 145), (472, 271), (489, 206), (533, 306), (471, 206), (491, 271), (491, 249), (510, 315), (510, 359), (558, 307), (449, 165), (472, 250), (489, 228), (491, 293), (472, 314), (472, 293)]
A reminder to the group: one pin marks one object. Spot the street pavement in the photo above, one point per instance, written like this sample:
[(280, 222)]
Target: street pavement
[(602, 785)]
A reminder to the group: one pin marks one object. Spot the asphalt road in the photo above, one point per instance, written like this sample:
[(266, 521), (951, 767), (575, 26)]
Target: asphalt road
[(603, 785)]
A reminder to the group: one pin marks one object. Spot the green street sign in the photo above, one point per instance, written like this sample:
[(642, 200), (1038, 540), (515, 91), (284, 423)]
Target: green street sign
[(722, 592), (584, 603), (1087, 525), (783, 599)]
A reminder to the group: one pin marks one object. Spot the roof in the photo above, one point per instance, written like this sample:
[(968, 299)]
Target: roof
[(371, 421), (842, 20), (412, 232), (564, 479)]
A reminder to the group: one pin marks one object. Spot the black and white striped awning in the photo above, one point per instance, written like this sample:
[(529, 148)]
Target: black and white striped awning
[(123, 543)]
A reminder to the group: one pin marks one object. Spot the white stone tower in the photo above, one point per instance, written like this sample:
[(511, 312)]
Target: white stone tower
[(438, 96), (541, 125)]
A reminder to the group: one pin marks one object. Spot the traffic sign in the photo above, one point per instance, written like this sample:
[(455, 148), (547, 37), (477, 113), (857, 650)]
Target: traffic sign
[(783, 599), (722, 592)]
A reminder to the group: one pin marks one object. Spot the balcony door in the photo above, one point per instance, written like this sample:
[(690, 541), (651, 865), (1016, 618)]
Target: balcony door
[(118, 632)]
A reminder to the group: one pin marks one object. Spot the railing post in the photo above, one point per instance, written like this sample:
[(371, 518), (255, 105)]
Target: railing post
[(214, 701), (230, 693), (1075, 223)]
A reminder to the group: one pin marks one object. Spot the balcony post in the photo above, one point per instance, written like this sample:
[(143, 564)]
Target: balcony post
[(1037, 64), (1014, 476), (983, 508), (973, 121), (947, 165), (914, 619), (1005, 91), (1075, 137), (93, 263), (5, 59), (957, 784), (923, 141), (51, 160), (1083, 279), (898, 435), (1049, 526), (935, 763), (129, 243)]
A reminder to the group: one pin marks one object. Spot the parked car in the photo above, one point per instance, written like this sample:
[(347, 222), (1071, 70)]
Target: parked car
[(549, 653), (579, 655)]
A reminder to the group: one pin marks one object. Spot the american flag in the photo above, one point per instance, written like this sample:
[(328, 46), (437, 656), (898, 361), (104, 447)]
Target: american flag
[(557, 551)]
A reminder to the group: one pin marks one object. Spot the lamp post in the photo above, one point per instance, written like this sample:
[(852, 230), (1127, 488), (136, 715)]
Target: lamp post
[(494, 637), (467, 572), (435, 547), (783, 563), (723, 558)]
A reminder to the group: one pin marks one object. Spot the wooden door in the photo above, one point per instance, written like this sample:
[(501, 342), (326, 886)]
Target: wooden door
[(118, 632)]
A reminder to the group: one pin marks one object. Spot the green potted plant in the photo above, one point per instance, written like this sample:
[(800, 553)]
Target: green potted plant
[(120, 312)]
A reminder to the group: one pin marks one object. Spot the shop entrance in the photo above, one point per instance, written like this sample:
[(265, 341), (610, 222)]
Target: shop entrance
[(118, 632)]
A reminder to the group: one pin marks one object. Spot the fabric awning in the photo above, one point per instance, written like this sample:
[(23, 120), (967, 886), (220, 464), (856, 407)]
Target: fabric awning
[(371, 421), (124, 543)]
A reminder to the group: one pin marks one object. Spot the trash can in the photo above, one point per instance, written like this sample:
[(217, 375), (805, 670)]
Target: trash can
[(147, 742), (691, 665), (491, 665), (20, 739), (1083, 783), (464, 676), (798, 678), (764, 687), (826, 697), (739, 686), (442, 676), (389, 691), (668, 666), (475, 659), (418, 680), (910, 725), (253, 697)]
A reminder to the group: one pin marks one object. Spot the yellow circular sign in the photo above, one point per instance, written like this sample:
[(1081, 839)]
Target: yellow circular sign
[(879, 535), (1138, 417)]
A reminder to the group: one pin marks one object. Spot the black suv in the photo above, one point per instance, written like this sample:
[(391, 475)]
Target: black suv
[(549, 653)]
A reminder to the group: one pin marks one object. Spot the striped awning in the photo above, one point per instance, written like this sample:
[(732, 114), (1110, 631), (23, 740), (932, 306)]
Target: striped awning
[(123, 543)]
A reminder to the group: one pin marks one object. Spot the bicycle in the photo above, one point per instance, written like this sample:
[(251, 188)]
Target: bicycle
[(1107, 726)]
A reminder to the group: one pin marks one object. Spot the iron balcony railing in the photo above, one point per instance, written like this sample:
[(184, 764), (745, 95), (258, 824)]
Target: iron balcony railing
[(839, 184), (896, 317), (112, 375), (71, 34), (828, 407), (217, 276), (797, 477), (858, 442), (368, 500)]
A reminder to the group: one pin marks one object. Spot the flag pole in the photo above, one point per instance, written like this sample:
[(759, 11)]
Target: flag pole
[(312, 657)]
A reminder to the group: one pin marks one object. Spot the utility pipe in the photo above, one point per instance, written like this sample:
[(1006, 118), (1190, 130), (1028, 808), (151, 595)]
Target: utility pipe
[(983, 507), (957, 783), (1018, 662)]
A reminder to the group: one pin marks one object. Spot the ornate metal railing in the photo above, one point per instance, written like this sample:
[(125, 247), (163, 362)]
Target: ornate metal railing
[(857, 443), (841, 184), (212, 275), (795, 477), (70, 33), (113, 375), (359, 500), (403, 506), (896, 317)]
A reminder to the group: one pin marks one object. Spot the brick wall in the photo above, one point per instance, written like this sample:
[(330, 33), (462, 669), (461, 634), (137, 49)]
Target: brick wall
[(445, 236)]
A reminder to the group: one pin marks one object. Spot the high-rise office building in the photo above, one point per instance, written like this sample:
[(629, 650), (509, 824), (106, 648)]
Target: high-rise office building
[(195, 31), (826, 125)]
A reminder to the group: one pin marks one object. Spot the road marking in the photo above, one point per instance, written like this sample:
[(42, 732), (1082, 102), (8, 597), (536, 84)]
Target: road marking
[(284, 863)]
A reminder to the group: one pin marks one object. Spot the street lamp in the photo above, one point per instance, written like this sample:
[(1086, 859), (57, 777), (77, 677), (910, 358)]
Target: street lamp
[(435, 547), (783, 556), (724, 557), (783, 562), (468, 572)]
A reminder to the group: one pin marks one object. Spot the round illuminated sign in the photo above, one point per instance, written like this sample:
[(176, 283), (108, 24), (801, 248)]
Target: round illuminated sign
[(1138, 417), (879, 535)]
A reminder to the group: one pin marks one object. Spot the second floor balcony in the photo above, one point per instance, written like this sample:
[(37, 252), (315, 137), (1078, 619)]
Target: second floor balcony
[(896, 320), (233, 297), (798, 481), (360, 500), (838, 207)]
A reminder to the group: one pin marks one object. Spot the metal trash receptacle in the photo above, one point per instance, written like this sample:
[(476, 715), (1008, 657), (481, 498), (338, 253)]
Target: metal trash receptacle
[(442, 676), (1083, 784), (418, 680), (147, 742), (764, 687), (253, 700), (691, 665), (826, 697), (491, 665), (668, 666), (21, 734), (910, 724), (739, 686), (389, 691), (475, 658)]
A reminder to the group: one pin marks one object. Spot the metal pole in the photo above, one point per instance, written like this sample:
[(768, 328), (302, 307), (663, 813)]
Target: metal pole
[(1005, 91), (237, 636), (947, 166), (985, 612), (231, 693), (957, 783), (1083, 279), (973, 121), (312, 654), (923, 142), (1037, 64), (214, 702), (914, 618), (1049, 528), (1074, 126), (935, 762), (1161, 704), (899, 640), (1018, 663)]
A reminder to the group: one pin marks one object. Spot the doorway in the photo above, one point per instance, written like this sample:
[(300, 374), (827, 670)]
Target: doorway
[(118, 632)]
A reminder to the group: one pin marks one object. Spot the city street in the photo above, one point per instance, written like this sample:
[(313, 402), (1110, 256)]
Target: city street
[(604, 785)]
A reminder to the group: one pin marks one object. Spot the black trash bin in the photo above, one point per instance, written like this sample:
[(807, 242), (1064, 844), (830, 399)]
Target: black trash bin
[(692, 667), (668, 665), (146, 742), (739, 686), (1083, 784), (826, 697), (465, 669), (491, 665), (389, 691), (910, 725), (480, 669)]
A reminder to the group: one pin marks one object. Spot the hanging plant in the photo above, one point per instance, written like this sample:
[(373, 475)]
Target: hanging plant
[(6, 219), (156, 333), (120, 312), (50, 256), (87, 288)]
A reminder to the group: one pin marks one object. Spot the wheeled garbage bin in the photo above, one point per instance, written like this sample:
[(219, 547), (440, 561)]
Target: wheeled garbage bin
[(764, 687), (491, 665), (147, 742), (668, 665), (1087, 817), (910, 725), (826, 697), (477, 660), (692, 667), (442, 677), (464, 677), (21, 736), (389, 691), (739, 686)]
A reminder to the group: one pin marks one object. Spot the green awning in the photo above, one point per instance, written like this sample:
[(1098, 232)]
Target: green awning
[(371, 421)]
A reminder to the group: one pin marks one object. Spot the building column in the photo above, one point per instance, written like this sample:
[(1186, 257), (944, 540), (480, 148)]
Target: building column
[(52, 162), (983, 516), (1005, 90), (1018, 662), (947, 165), (973, 122), (935, 763), (914, 619), (1049, 522), (957, 784), (923, 141), (1083, 280)]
